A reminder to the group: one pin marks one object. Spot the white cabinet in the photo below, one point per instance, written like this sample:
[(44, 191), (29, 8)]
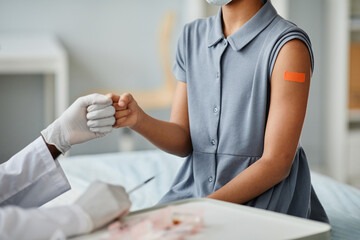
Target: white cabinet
[(38, 54)]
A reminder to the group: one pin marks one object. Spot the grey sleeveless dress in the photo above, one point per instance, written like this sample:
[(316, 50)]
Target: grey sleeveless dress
[(228, 86)]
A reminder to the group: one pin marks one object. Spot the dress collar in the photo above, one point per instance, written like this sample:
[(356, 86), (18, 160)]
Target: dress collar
[(247, 32)]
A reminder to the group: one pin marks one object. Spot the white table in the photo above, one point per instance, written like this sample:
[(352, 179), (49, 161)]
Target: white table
[(38, 54), (233, 221)]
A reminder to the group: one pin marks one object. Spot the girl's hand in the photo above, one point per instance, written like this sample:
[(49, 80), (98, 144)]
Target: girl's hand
[(128, 113)]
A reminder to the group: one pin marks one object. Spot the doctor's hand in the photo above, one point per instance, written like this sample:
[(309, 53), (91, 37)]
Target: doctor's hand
[(89, 117), (128, 113), (103, 203)]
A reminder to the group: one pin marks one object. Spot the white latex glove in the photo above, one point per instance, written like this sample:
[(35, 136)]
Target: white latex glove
[(72, 126), (103, 203), (98, 117)]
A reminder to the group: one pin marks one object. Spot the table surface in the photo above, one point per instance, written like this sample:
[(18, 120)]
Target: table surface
[(233, 221)]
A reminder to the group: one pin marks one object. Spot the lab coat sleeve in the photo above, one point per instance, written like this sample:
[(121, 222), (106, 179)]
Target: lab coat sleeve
[(43, 223), (31, 177)]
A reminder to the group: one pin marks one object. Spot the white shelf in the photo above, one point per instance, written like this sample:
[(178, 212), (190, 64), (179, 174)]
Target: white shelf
[(354, 116)]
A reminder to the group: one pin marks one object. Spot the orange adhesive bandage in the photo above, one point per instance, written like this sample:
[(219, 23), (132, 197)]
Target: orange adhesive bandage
[(294, 77)]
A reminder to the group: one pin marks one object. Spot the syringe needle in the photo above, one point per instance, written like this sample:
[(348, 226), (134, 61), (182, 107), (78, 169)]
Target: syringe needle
[(140, 185)]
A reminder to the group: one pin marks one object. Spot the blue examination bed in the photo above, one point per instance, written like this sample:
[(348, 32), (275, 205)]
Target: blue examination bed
[(341, 202)]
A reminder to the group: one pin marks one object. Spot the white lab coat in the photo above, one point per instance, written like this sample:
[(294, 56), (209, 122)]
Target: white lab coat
[(28, 180)]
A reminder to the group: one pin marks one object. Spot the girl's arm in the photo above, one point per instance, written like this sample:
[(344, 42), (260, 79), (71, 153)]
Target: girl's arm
[(172, 137), (288, 103)]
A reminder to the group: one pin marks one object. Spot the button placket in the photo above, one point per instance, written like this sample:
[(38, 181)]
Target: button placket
[(215, 107)]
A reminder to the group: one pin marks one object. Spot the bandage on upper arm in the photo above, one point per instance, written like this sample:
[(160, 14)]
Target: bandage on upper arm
[(294, 77)]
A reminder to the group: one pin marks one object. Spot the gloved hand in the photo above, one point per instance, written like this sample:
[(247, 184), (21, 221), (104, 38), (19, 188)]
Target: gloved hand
[(103, 203), (75, 126)]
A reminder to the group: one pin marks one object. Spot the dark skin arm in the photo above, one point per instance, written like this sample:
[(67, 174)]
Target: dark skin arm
[(55, 153)]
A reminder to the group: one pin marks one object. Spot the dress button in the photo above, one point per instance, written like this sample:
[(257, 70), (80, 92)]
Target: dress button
[(213, 141), (225, 42), (217, 75), (216, 110), (210, 179)]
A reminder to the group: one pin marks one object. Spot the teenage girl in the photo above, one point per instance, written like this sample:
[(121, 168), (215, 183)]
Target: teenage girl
[(239, 106)]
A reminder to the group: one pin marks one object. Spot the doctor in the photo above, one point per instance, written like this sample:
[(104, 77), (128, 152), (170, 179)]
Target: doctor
[(33, 177)]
